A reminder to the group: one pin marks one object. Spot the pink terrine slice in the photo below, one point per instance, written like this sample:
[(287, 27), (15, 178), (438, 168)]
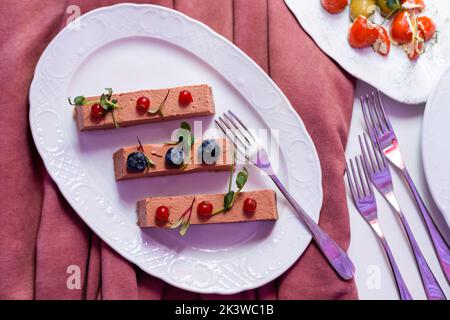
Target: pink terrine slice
[(127, 114), (156, 153), (266, 208)]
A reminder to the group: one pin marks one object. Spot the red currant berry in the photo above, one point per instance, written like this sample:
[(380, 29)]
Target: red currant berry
[(185, 97), (250, 205), (162, 213), (97, 111), (142, 104), (204, 209)]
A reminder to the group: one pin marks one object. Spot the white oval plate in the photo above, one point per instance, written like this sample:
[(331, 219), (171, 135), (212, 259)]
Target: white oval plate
[(435, 143), (395, 75), (129, 47)]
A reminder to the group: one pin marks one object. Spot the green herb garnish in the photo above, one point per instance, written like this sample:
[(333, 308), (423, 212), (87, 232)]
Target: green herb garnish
[(184, 220), (230, 196), (186, 139), (158, 109), (78, 101), (150, 163), (108, 104)]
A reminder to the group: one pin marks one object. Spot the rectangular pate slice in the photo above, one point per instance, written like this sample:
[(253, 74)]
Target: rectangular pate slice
[(127, 114), (156, 153), (266, 209)]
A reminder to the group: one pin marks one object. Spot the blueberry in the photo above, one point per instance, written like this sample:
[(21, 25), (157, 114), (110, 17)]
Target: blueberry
[(136, 162), (174, 157), (209, 151)]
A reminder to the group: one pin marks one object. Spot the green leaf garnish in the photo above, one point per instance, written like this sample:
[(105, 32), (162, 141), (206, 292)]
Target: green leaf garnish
[(105, 102), (109, 105), (78, 101), (184, 221), (109, 91), (158, 109), (150, 163), (228, 200), (186, 140), (241, 178), (230, 196), (184, 125)]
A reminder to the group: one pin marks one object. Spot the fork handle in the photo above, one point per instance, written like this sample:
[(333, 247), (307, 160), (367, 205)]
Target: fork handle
[(401, 285), (431, 285), (337, 258), (440, 246)]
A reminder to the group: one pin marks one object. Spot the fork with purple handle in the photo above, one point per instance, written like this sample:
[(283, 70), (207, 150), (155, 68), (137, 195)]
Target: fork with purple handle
[(382, 133), (364, 200), (380, 175), (253, 151)]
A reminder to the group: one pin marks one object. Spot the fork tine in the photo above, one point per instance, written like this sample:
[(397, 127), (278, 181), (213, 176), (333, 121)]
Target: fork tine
[(373, 147), (230, 131), (369, 124), (242, 125), (355, 180), (237, 134), (378, 114), (367, 155), (239, 128), (232, 138), (375, 120), (383, 111), (350, 183), (366, 175), (377, 146), (361, 174)]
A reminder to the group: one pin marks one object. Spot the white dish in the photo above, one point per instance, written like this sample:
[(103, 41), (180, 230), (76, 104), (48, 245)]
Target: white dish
[(395, 75), (435, 145), (129, 47)]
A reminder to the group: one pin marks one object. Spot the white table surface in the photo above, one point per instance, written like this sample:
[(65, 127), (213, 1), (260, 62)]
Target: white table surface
[(373, 274)]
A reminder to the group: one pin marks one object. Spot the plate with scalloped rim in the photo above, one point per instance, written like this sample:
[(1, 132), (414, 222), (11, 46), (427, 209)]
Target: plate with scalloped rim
[(395, 75), (435, 146), (130, 47)]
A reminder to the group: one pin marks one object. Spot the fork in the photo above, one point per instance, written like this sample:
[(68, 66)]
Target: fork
[(382, 132), (364, 199), (253, 151), (378, 171)]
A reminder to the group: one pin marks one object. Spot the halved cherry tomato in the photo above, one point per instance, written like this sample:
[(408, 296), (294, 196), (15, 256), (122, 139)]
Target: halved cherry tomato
[(417, 5), (426, 27), (362, 33), (334, 6), (383, 43), (402, 28), (414, 50)]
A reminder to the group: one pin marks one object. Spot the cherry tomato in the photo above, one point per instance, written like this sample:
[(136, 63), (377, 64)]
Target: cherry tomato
[(383, 43), (185, 97), (142, 104), (97, 111), (414, 50), (427, 27), (162, 214), (334, 6), (401, 29), (362, 33), (204, 209), (250, 205)]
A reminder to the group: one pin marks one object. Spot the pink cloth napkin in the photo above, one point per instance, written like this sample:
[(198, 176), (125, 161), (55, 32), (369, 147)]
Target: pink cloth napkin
[(41, 235)]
